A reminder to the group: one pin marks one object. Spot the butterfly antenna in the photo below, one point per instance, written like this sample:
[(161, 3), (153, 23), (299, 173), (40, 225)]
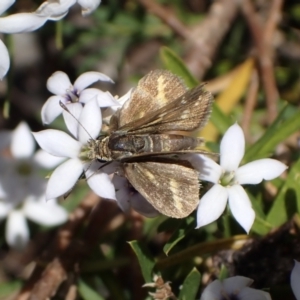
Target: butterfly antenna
[(63, 106)]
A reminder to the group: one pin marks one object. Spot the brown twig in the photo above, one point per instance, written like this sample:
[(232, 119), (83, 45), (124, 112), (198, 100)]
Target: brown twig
[(250, 103), (167, 16), (207, 35), (203, 39), (62, 241), (262, 36)]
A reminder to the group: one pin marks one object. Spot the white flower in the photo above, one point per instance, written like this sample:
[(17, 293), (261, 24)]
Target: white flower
[(295, 280), (87, 7), (74, 97), (236, 287), (228, 177), (25, 22), (22, 190), (13, 24), (60, 144)]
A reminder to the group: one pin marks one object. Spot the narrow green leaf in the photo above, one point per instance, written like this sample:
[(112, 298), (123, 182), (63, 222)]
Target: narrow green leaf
[(286, 123), (185, 226), (145, 259), (86, 292), (223, 273), (260, 225), (219, 119), (287, 202), (175, 64), (190, 286), (8, 288)]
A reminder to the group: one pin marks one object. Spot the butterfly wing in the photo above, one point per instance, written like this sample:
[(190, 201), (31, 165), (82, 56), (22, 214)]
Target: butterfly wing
[(171, 186), (186, 113), (153, 91)]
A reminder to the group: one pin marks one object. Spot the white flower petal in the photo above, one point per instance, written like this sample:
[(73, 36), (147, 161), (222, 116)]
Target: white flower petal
[(71, 120), (58, 83), (5, 208), (46, 160), (100, 183), (250, 294), (254, 172), (241, 207), (213, 291), (45, 213), (208, 169), (5, 61), (211, 205), (232, 148), (54, 10), (295, 280), (22, 144), (88, 6), (91, 121), (51, 109), (142, 206), (5, 4), (22, 22), (57, 143), (104, 99), (64, 178), (236, 283), (16, 230), (87, 78)]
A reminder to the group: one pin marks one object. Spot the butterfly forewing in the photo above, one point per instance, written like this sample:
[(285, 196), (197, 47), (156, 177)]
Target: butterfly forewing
[(154, 91), (171, 186), (186, 113)]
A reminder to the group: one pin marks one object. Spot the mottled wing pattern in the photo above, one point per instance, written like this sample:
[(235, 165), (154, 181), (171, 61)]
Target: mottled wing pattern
[(154, 91), (171, 187), (186, 113)]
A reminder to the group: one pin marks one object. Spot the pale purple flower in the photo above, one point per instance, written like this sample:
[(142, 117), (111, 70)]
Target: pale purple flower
[(295, 280), (22, 190), (236, 288), (60, 144), (228, 178), (74, 97)]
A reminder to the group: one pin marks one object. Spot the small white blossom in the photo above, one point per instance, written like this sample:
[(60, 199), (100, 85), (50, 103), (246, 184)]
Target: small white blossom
[(60, 144), (63, 6), (295, 280), (24, 22), (236, 288), (74, 97), (22, 190), (228, 177)]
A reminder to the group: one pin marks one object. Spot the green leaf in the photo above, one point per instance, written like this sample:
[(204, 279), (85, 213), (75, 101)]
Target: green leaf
[(260, 225), (145, 259), (219, 119), (287, 202), (86, 292), (223, 273), (8, 288), (185, 226), (286, 123), (190, 285), (175, 64)]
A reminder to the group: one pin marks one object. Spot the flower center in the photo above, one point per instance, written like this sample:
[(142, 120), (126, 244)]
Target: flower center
[(24, 169), (72, 95), (228, 178)]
